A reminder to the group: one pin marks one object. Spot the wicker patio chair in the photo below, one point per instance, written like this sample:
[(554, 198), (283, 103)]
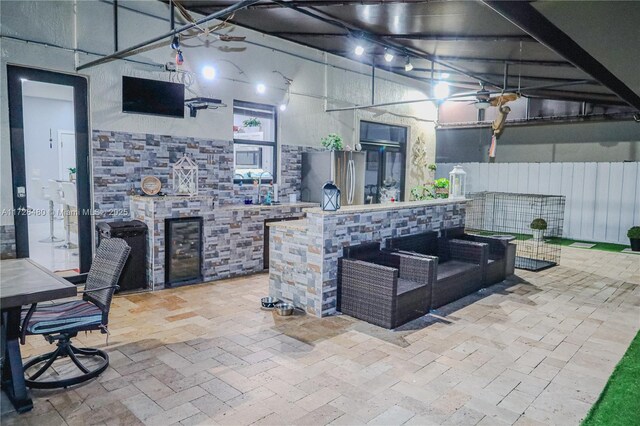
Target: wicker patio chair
[(385, 289), (60, 322), (460, 266), (502, 253)]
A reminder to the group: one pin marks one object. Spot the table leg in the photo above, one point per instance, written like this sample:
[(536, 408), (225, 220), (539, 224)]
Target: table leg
[(12, 371)]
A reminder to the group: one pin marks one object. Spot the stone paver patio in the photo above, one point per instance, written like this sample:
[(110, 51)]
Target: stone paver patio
[(535, 350)]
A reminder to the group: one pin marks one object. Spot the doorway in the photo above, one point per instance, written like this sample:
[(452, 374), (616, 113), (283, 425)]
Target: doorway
[(385, 147), (48, 117)]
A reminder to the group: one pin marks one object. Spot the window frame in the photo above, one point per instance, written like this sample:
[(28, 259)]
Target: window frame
[(273, 144)]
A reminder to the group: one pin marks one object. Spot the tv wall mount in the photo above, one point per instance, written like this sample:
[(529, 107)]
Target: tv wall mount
[(197, 104)]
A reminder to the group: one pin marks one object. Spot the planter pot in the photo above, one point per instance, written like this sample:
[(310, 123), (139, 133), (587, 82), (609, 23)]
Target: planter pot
[(252, 129), (538, 234), (635, 244)]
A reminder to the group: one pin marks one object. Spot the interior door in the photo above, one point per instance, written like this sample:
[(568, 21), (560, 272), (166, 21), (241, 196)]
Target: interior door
[(35, 163)]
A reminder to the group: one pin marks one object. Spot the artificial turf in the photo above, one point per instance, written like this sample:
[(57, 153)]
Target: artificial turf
[(619, 402)]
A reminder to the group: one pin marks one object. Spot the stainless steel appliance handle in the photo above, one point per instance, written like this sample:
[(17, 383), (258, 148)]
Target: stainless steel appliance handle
[(350, 181)]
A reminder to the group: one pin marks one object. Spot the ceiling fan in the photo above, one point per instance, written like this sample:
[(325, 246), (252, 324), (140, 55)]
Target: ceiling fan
[(484, 99)]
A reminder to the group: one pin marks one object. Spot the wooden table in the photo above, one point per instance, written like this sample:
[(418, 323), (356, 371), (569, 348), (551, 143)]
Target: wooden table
[(23, 282)]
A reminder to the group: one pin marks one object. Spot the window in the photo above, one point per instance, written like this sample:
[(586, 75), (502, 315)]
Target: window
[(254, 136)]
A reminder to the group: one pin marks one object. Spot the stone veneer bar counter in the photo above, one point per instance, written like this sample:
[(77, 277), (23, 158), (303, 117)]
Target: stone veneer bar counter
[(232, 235), (303, 258)]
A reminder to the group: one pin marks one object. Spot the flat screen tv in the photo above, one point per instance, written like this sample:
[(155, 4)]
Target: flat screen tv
[(144, 96)]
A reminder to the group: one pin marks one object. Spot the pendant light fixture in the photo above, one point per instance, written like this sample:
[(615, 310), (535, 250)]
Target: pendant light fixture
[(408, 66)]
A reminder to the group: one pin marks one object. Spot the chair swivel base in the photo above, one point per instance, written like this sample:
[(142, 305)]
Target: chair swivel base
[(65, 349)]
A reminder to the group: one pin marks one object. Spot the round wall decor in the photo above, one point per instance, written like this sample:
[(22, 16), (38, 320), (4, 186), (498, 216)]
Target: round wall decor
[(150, 185)]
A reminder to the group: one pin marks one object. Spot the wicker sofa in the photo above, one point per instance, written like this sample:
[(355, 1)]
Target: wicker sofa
[(382, 288), (502, 253), (460, 268)]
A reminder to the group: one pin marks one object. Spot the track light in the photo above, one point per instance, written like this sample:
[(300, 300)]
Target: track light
[(261, 88), (209, 72), (175, 43), (388, 56), (408, 66), (441, 90), (359, 50)]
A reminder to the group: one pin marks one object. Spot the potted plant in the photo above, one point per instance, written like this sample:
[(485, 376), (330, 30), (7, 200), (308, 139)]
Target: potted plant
[(72, 174), (538, 226), (333, 142), (441, 187), (634, 237), (251, 125)]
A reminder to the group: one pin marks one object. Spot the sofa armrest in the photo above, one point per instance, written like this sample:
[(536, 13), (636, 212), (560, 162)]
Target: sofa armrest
[(469, 251), (497, 246), (359, 276), (420, 269)]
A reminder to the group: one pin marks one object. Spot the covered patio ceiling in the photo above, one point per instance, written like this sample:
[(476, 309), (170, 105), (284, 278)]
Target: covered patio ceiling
[(543, 46)]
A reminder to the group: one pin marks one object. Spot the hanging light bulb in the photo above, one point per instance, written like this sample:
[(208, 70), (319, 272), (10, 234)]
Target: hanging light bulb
[(209, 72), (261, 88), (388, 56), (441, 90), (408, 66), (179, 57), (359, 50), (175, 43)]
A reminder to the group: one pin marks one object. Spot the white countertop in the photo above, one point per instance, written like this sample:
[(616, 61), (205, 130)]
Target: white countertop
[(298, 225), (365, 208), (208, 198)]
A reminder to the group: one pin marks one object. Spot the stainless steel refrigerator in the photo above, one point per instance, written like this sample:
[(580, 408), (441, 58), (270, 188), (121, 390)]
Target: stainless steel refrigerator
[(345, 168)]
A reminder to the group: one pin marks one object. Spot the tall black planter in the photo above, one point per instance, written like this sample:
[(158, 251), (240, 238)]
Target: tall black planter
[(635, 244)]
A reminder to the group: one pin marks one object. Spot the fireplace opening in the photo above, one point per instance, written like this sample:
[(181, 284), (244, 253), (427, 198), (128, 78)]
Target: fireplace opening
[(183, 251)]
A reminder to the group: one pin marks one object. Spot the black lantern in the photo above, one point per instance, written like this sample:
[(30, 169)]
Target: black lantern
[(330, 197)]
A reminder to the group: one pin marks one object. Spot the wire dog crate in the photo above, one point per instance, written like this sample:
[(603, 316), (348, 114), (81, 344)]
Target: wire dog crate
[(491, 213)]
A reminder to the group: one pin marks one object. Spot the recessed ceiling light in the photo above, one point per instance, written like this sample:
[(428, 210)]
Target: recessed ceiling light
[(261, 88), (359, 50), (408, 66), (441, 90), (209, 72), (388, 56)]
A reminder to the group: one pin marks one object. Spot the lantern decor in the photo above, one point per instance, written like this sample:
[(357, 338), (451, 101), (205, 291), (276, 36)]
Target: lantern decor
[(457, 183), (330, 197), (185, 177)]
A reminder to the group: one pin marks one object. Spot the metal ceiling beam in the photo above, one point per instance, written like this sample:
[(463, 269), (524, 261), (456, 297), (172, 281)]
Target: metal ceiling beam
[(121, 53), (424, 37), (310, 3), (373, 38), (528, 19)]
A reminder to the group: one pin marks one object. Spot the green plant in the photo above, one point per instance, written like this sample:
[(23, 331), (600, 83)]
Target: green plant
[(634, 232), (441, 183), (432, 167), (332, 142), (423, 192), (539, 224), (251, 122), (72, 170)]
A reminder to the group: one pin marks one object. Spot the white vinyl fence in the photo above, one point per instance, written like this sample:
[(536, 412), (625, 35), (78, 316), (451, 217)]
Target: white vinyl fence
[(602, 199)]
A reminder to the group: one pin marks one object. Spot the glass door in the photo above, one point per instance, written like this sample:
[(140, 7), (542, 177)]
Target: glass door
[(50, 169), (385, 162)]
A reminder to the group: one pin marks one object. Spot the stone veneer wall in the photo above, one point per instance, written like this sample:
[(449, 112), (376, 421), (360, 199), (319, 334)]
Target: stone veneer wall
[(7, 242), (304, 263), (120, 160), (233, 236)]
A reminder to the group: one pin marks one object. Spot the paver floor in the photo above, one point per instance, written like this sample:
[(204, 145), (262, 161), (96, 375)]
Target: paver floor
[(537, 349)]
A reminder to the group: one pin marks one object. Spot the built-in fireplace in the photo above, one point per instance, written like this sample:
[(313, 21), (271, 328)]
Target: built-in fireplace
[(183, 251)]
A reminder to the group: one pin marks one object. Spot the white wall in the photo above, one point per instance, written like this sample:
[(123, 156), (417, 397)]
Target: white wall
[(602, 199), (42, 115), (87, 25)]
